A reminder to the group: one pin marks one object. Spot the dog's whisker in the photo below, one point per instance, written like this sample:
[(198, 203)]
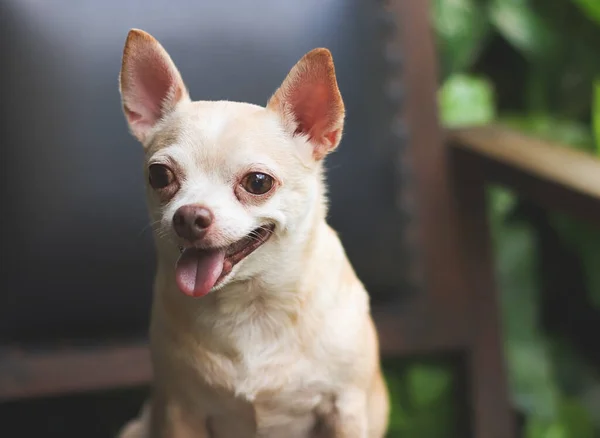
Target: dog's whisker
[(257, 237), (148, 226)]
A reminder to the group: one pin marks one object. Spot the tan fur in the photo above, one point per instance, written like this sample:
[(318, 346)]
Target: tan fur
[(285, 345)]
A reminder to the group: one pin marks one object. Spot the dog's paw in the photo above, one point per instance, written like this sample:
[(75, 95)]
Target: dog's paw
[(136, 428), (133, 429)]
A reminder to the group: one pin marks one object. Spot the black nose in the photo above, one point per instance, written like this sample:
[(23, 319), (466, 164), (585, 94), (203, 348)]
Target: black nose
[(192, 221)]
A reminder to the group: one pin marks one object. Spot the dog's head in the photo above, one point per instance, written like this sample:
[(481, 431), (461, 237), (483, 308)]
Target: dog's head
[(226, 179)]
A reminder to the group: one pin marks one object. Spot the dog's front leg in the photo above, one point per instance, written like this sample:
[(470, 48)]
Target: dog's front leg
[(168, 420), (347, 417)]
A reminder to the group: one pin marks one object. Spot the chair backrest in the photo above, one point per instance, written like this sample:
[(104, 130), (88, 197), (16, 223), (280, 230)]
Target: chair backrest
[(76, 247)]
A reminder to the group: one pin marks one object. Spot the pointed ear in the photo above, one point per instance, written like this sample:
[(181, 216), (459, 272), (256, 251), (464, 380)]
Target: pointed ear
[(150, 84), (310, 104)]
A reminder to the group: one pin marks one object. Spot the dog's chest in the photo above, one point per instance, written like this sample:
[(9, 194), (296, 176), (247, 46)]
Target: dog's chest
[(283, 397), (280, 366), (282, 378)]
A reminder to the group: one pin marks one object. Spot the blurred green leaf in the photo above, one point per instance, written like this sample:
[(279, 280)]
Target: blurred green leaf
[(578, 381), (534, 389), (428, 384), (501, 203), (591, 8), (429, 409), (398, 415), (567, 132), (596, 113), (461, 28), (529, 362), (516, 21), (573, 421), (466, 100), (538, 428)]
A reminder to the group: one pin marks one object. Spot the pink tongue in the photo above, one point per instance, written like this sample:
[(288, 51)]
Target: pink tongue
[(197, 271)]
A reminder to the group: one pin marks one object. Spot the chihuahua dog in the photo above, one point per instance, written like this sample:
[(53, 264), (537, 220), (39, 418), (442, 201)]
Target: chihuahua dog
[(259, 325)]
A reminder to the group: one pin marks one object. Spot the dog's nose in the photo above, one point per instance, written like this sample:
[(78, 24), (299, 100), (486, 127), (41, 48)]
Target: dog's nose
[(192, 221)]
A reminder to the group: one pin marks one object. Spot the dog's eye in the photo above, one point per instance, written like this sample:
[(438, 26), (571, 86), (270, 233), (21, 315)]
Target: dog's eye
[(257, 183), (160, 176)]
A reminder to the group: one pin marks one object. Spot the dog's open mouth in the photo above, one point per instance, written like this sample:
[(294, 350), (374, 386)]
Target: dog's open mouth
[(198, 271)]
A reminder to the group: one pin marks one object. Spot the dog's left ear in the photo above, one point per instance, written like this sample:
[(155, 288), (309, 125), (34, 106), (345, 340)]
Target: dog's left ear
[(310, 104)]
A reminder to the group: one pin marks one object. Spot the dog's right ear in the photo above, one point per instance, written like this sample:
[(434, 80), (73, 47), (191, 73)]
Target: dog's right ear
[(150, 84)]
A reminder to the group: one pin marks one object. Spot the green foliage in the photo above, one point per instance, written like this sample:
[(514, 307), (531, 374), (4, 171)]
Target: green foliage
[(523, 28), (533, 65), (530, 367), (570, 132), (572, 421), (591, 8), (461, 32), (421, 400), (466, 100)]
